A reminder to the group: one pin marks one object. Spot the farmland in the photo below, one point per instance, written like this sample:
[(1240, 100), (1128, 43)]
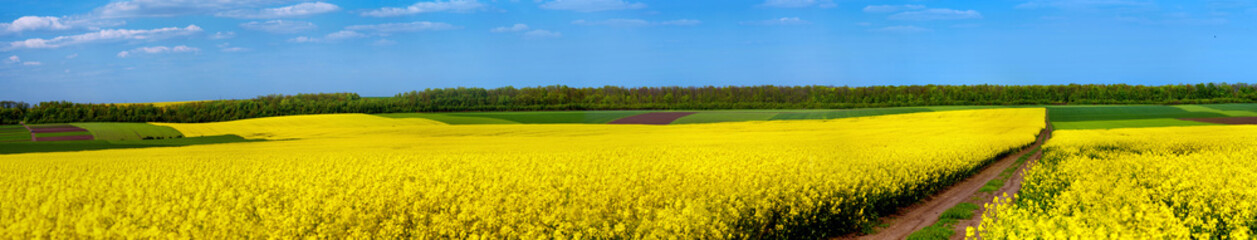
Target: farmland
[(88, 145), (383, 177), (628, 119), (1142, 183), (1063, 117), (14, 133), (723, 174), (128, 131)]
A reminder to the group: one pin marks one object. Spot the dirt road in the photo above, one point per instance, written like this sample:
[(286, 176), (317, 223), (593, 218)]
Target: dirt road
[(924, 214)]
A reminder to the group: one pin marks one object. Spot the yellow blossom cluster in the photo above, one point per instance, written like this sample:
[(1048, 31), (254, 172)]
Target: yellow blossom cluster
[(360, 176), (1141, 183)]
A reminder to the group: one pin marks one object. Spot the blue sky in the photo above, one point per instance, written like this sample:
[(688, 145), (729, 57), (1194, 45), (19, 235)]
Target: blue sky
[(171, 50)]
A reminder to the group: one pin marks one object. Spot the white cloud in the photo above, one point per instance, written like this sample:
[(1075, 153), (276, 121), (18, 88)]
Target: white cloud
[(170, 8), (303, 39), (279, 26), (524, 31), (903, 29), (299, 10), (1082, 4), (387, 28), (681, 22), (620, 22), (331, 37), (936, 14), (29, 23), (226, 47), (49, 23), (427, 7), (72, 56), (104, 36), (518, 27), (891, 8), (223, 35), (799, 3), (541, 34), (778, 21), (383, 42), (16, 60), (591, 5), (158, 50), (342, 35)]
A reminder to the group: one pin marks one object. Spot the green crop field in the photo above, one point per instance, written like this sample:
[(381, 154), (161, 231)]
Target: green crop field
[(847, 113), (1105, 112), (62, 134), (65, 146), (1134, 123), (128, 131), (725, 116), (1246, 107), (1135, 116), (14, 133), (49, 125)]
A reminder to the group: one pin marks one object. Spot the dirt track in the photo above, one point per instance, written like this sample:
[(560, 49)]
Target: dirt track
[(655, 118), (1010, 187), (1225, 120), (924, 214)]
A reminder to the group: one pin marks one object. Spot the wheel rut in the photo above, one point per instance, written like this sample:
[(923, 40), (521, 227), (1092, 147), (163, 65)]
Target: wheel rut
[(925, 213)]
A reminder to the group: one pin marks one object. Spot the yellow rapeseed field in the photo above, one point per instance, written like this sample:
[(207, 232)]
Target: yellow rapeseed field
[(336, 176), (1142, 183)]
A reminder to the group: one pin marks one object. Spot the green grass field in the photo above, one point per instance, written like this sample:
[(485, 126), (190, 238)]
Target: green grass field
[(725, 116), (62, 134), (49, 125), (1135, 123), (1136, 116), (14, 133), (1245, 107), (847, 113), (65, 146), (128, 131), (1131, 112)]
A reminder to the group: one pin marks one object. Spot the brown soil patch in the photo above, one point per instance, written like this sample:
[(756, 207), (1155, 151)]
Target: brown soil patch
[(65, 138), (926, 213), (49, 126), (57, 129), (656, 118), (1225, 120)]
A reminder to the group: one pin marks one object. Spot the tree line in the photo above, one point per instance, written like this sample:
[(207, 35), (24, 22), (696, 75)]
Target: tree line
[(620, 98)]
